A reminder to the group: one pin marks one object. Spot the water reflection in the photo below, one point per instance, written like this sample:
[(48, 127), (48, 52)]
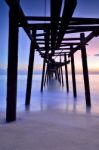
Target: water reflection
[(54, 96)]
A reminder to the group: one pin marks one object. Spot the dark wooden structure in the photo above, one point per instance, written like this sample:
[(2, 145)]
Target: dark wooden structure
[(54, 44)]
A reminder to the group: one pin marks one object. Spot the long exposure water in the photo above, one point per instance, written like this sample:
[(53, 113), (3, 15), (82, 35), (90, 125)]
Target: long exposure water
[(54, 96)]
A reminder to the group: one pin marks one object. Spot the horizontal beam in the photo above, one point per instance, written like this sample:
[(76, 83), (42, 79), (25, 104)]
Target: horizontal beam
[(69, 7), (84, 27), (62, 44), (73, 19), (22, 20), (43, 50), (86, 40), (65, 39)]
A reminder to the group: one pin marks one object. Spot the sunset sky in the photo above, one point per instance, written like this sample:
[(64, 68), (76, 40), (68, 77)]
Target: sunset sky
[(85, 8)]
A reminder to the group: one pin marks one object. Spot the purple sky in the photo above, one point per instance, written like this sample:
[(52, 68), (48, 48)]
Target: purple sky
[(85, 8)]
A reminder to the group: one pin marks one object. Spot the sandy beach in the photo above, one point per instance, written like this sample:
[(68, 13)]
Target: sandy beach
[(50, 131)]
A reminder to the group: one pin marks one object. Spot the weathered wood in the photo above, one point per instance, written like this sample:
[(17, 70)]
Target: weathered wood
[(85, 71), (85, 41), (43, 73), (16, 7), (45, 78), (66, 73), (30, 72), (69, 7), (73, 75), (61, 73), (55, 14), (62, 79), (58, 73), (65, 39), (12, 66), (76, 20)]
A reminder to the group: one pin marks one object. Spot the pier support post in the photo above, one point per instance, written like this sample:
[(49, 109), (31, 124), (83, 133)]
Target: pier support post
[(61, 72), (62, 76), (66, 73), (12, 66), (73, 75), (59, 77), (30, 71), (85, 71), (43, 73), (45, 79)]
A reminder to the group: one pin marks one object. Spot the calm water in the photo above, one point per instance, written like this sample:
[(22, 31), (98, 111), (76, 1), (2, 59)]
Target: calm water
[(54, 97)]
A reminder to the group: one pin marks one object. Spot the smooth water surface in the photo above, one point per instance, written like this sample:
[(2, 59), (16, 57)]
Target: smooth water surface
[(54, 96)]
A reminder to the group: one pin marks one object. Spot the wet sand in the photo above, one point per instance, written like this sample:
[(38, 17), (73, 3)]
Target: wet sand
[(50, 130)]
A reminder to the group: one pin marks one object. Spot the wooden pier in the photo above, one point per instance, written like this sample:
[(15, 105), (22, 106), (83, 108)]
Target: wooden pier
[(54, 44)]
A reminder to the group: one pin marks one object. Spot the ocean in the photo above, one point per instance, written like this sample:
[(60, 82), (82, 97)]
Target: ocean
[(54, 96)]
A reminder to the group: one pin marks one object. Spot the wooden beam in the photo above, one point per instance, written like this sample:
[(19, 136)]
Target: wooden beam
[(61, 71), (68, 10), (43, 73), (12, 66), (21, 17), (64, 39), (73, 75), (66, 73), (73, 19), (85, 41), (55, 14), (30, 72), (85, 71)]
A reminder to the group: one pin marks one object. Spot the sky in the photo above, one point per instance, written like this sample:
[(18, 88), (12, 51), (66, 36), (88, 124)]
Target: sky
[(85, 8)]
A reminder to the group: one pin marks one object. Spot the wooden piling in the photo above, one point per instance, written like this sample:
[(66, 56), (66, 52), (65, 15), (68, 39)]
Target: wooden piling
[(61, 73), (85, 71), (30, 72), (59, 77), (62, 79), (43, 73), (45, 79), (73, 75), (66, 73), (12, 66)]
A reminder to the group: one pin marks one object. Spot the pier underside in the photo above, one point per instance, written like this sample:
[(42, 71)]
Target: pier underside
[(49, 37)]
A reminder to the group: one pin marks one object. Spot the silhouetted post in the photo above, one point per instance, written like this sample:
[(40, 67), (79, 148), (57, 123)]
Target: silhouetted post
[(59, 77), (30, 71), (43, 73), (73, 74), (56, 77), (47, 76), (85, 70), (61, 72), (45, 79), (12, 66), (66, 73), (58, 74), (62, 76)]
